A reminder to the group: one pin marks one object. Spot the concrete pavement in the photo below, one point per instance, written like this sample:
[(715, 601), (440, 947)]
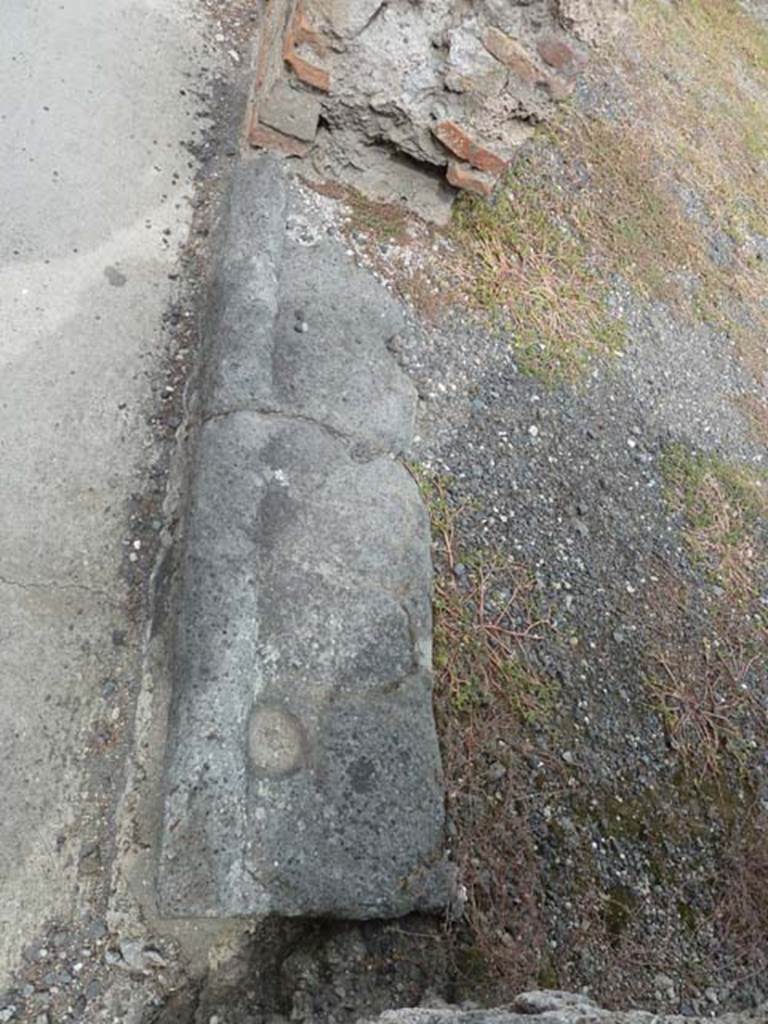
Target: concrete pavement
[(94, 107)]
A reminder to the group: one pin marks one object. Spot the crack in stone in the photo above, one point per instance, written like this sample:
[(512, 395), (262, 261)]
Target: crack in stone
[(376, 14), (375, 451), (54, 585)]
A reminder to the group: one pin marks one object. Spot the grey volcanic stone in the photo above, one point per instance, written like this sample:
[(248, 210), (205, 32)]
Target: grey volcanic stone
[(303, 773), (291, 111), (244, 293), (554, 1008), (337, 371)]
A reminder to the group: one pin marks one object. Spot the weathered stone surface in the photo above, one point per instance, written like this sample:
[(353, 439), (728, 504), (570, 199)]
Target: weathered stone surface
[(303, 775), (560, 88), (262, 137), (291, 112), (592, 21), (319, 352), (253, 227), (554, 1008), (471, 68), (381, 173), (277, 17), (349, 19)]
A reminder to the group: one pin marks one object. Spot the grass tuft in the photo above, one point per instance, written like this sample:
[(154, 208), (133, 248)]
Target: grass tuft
[(743, 909), (708, 687), (488, 696), (529, 269), (723, 506)]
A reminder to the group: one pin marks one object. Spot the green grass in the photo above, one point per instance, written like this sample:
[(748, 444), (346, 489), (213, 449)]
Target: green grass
[(536, 259), (529, 270), (724, 506)]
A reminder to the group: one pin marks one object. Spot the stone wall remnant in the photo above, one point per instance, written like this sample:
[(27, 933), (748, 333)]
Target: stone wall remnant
[(448, 87)]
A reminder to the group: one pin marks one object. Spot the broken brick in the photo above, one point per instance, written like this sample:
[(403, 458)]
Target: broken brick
[(261, 137), (512, 55), (318, 78), (305, 34), (310, 74), (462, 176), (459, 143), (559, 55)]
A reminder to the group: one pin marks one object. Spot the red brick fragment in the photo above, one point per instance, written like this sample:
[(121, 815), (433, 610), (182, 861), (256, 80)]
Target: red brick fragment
[(463, 176), (318, 78), (304, 33), (511, 54), (261, 137), (560, 55), (459, 143), (297, 32)]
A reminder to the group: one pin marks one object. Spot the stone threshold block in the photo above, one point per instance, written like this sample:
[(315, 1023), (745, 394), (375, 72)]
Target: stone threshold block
[(303, 773)]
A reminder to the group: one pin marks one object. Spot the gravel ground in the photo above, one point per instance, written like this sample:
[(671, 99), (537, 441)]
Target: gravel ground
[(632, 854), (568, 481)]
